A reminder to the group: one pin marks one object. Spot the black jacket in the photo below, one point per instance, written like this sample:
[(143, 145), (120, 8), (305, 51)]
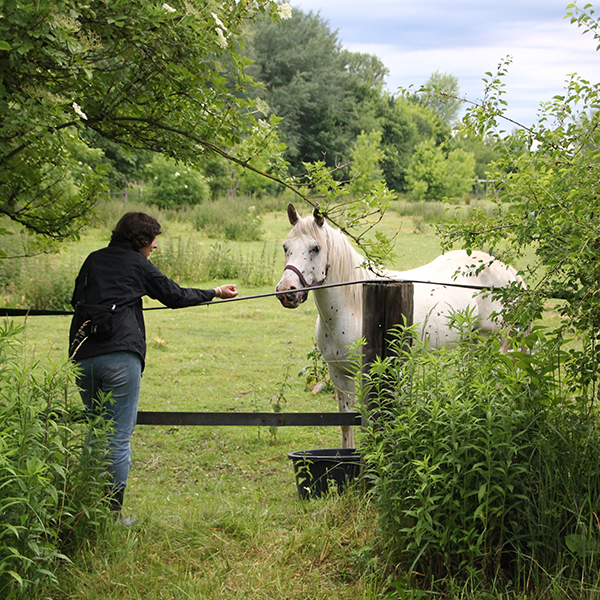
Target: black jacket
[(119, 275)]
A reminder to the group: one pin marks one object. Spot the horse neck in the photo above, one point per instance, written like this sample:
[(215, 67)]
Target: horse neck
[(341, 303)]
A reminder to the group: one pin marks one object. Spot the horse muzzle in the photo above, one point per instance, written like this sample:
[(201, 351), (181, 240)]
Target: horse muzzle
[(292, 299)]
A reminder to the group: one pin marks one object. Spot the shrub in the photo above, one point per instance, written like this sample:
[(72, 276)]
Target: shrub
[(481, 467), (51, 490), (174, 185)]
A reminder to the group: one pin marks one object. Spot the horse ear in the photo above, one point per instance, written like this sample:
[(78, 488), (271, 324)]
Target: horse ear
[(292, 214), (319, 219)]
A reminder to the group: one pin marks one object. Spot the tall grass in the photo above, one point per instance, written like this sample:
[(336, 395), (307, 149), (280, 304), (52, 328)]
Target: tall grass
[(189, 261), (485, 474), (39, 282), (438, 212), (239, 220), (51, 487), (46, 281)]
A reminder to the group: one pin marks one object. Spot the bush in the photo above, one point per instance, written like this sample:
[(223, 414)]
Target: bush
[(51, 490), (481, 467), (174, 185)]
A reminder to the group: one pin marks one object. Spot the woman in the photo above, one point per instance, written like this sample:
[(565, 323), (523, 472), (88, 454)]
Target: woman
[(108, 337)]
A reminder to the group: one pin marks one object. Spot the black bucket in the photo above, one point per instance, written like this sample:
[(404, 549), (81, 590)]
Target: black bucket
[(319, 471)]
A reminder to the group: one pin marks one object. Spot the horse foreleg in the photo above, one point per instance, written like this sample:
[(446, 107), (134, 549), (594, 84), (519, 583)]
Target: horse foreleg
[(344, 390)]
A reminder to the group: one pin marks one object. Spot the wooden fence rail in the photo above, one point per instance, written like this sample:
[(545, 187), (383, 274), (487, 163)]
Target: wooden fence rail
[(254, 419)]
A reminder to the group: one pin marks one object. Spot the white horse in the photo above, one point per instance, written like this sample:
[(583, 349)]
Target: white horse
[(316, 254)]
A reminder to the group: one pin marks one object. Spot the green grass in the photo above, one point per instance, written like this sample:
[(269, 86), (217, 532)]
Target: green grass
[(217, 508)]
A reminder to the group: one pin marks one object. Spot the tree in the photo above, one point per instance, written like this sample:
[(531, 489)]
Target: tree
[(548, 204), (404, 124), (319, 89), (460, 173), (440, 92), (481, 148), (124, 165), (426, 172), (365, 170), (144, 76)]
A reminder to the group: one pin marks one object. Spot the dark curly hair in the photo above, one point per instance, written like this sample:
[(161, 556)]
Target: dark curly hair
[(137, 228)]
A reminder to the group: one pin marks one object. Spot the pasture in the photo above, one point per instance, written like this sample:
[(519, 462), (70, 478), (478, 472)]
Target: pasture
[(218, 515)]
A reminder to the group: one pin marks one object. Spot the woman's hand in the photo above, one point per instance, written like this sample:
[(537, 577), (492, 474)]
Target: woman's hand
[(226, 291)]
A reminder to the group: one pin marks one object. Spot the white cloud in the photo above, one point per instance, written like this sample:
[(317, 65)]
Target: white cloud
[(468, 38)]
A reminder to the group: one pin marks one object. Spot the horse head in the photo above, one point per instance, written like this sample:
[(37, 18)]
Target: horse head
[(306, 257)]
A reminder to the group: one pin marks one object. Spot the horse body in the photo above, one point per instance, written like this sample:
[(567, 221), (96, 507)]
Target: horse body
[(315, 253)]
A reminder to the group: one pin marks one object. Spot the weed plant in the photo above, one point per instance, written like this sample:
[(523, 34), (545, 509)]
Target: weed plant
[(40, 282), (51, 486), (188, 261), (316, 374), (485, 474), (232, 220)]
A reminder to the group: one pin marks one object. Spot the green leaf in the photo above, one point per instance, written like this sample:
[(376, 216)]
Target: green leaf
[(577, 544)]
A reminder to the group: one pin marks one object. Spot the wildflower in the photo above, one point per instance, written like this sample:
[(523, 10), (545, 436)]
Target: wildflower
[(222, 39), (285, 11), (219, 22), (78, 110), (168, 8)]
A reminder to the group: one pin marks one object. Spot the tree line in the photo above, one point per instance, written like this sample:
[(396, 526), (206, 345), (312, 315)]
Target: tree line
[(96, 96)]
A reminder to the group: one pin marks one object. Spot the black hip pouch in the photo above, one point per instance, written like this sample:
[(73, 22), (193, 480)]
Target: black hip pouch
[(96, 319)]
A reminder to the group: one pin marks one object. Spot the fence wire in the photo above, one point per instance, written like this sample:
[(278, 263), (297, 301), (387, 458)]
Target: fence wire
[(26, 312)]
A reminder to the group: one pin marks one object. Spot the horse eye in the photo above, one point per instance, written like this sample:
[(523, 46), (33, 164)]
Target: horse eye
[(314, 249)]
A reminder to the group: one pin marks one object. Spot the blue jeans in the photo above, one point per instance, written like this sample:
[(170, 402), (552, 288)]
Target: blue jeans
[(121, 374)]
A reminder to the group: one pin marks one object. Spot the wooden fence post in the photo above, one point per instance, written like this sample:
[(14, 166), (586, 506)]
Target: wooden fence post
[(386, 304)]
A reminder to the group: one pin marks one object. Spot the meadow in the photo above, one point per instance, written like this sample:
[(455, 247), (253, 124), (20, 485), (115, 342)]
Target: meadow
[(217, 511)]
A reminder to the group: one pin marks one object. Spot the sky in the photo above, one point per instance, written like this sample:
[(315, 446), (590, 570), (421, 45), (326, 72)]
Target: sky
[(468, 38)]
